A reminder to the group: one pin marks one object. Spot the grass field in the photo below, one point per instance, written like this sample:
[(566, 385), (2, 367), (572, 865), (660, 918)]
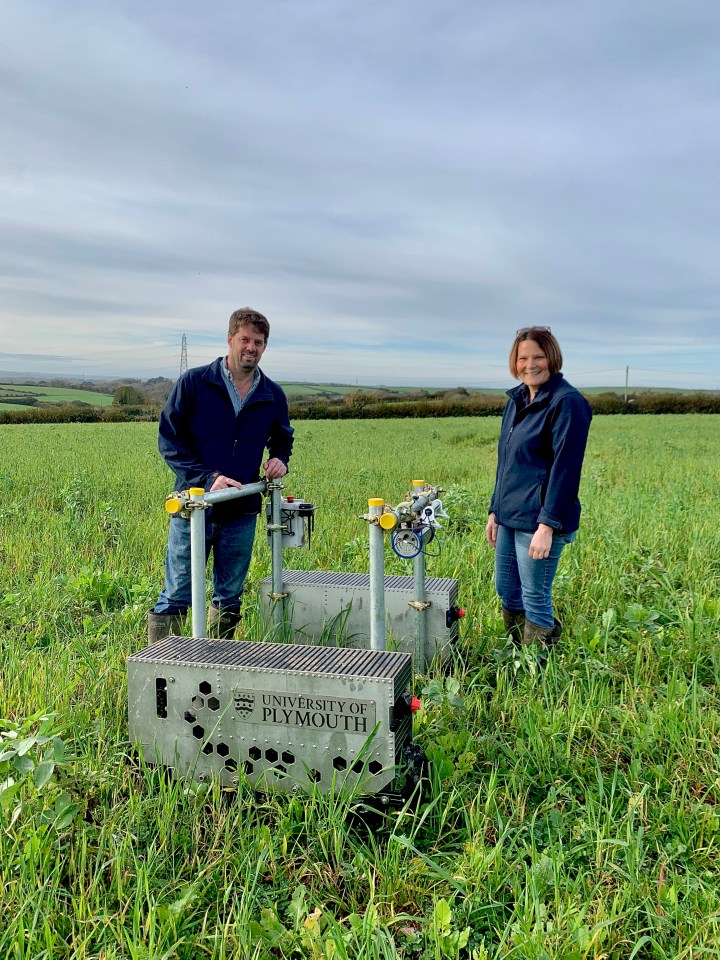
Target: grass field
[(571, 813), (58, 395)]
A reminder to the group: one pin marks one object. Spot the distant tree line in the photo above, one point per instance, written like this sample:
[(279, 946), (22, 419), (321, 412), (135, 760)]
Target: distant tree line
[(131, 403), (80, 413), (461, 403)]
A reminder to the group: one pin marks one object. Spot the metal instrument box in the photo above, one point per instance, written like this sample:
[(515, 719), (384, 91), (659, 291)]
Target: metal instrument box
[(334, 608), (287, 716), (297, 518)]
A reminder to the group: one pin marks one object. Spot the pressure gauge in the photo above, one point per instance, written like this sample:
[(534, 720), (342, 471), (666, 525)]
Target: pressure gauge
[(407, 544)]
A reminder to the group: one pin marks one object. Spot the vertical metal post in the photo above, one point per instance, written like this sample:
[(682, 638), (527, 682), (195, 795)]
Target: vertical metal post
[(377, 577), (198, 501), (419, 590), (197, 563), (276, 551)]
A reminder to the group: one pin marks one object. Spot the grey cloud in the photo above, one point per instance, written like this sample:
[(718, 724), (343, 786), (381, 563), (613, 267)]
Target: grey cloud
[(357, 173)]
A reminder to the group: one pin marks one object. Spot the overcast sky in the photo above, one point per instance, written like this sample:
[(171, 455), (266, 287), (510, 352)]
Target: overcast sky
[(397, 185)]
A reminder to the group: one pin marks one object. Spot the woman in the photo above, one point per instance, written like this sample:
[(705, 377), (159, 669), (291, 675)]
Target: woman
[(535, 509)]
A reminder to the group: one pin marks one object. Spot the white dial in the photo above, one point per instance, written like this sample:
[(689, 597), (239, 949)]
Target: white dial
[(406, 544)]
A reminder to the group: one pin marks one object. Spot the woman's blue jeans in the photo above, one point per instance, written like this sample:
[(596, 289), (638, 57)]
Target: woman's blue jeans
[(231, 544), (523, 583)]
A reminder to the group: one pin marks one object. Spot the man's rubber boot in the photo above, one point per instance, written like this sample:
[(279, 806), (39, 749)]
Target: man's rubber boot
[(161, 625), (222, 623), (547, 636), (514, 621)]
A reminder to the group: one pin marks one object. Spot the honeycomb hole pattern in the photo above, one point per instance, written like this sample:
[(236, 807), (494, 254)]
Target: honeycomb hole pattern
[(340, 763), (375, 767), (204, 687), (197, 702), (254, 753), (248, 767), (315, 776), (207, 749), (222, 750), (271, 755), (230, 764), (190, 717), (213, 703), (288, 758), (198, 732)]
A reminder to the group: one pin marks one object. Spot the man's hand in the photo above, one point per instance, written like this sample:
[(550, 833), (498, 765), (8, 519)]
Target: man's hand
[(222, 483), (274, 469)]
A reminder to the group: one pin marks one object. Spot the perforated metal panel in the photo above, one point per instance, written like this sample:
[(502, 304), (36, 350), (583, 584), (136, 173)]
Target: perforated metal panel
[(335, 608), (287, 715)]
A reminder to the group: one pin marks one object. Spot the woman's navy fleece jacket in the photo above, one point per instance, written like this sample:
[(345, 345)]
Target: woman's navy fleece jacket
[(540, 456)]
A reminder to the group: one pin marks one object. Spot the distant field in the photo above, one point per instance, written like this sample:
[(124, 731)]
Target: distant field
[(17, 392), (632, 391), (294, 389), (59, 395)]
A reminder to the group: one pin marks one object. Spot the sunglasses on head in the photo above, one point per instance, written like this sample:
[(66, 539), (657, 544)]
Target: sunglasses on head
[(523, 330)]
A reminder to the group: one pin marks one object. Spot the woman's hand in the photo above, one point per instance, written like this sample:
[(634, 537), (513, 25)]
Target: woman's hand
[(491, 531), (541, 542)]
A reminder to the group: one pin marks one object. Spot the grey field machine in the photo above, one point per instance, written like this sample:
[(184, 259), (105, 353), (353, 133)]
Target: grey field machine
[(331, 709)]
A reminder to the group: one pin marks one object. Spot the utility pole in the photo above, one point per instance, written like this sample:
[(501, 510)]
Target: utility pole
[(627, 372), (183, 355)]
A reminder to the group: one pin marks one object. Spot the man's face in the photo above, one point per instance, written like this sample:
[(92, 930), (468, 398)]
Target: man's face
[(245, 347)]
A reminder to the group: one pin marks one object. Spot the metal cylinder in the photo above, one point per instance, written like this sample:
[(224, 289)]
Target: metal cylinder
[(198, 558), (197, 563), (422, 501), (232, 493), (377, 577), (276, 552), (420, 596)]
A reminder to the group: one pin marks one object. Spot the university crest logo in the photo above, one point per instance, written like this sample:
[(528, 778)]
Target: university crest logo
[(244, 703)]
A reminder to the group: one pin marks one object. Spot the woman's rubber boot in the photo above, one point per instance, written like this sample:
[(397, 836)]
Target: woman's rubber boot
[(514, 621), (222, 624), (161, 625), (547, 637)]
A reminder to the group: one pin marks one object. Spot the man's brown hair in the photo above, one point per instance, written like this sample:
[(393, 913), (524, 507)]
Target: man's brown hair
[(246, 316)]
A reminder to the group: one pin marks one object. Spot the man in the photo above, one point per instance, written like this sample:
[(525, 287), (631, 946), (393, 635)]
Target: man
[(214, 429)]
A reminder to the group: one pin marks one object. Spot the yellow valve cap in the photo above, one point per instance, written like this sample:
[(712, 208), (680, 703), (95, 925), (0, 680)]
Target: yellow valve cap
[(196, 491), (388, 521), (418, 483), (376, 502), (173, 505)]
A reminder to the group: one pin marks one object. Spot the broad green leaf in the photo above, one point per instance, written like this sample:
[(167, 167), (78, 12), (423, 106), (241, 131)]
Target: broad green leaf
[(442, 914), (23, 764), (8, 789), (24, 745), (43, 772)]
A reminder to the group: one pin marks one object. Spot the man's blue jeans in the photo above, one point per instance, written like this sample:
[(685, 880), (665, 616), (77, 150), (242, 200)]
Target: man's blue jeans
[(231, 544), (523, 583)]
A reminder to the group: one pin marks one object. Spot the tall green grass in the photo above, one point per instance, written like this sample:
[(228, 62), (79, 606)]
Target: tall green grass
[(570, 813)]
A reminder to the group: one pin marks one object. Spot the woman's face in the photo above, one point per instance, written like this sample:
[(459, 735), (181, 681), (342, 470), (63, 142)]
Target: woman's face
[(532, 365)]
